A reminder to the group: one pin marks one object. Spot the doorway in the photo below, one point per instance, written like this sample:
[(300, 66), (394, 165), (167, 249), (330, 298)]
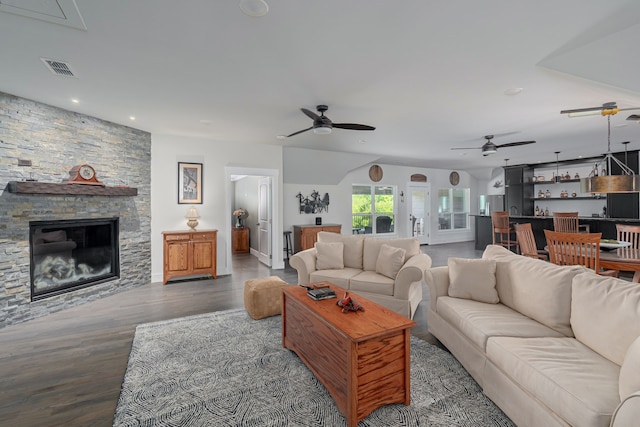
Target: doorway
[(419, 208), (266, 249)]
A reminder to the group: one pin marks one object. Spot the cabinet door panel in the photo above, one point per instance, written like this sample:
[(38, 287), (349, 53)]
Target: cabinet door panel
[(177, 256), (202, 255)]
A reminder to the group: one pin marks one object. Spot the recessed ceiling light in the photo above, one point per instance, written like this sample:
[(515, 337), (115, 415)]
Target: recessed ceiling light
[(75, 101), (254, 8), (132, 118), (513, 91), (281, 137), (362, 141)]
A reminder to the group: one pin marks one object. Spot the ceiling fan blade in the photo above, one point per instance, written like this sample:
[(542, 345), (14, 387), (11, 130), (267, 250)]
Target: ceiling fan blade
[(634, 117), (515, 144), (466, 148), (310, 114), (606, 105), (353, 126), (300, 131)]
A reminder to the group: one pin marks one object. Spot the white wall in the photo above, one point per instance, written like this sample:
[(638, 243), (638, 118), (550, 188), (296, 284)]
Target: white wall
[(340, 200), (168, 215)]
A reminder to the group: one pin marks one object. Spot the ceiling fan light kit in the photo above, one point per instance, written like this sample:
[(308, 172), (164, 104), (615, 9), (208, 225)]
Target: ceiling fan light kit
[(322, 130), (255, 8)]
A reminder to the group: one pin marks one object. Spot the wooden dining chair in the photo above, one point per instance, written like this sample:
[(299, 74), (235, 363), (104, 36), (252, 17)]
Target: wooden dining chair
[(502, 230), (576, 249), (567, 222), (527, 242), (629, 233)]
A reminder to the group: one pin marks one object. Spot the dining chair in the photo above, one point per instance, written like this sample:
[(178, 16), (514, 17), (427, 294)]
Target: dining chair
[(502, 230), (567, 222), (576, 249), (527, 242), (629, 233)]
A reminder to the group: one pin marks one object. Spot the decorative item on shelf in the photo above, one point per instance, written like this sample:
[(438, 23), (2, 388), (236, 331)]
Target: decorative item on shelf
[(534, 179), (573, 194), (540, 178), (547, 194), (564, 194), (546, 211), (83, 174), (577, 176), (192, 217), (557, 177), (540, 194), (537, 211), (627, 182), (240, 214), (566, 176)]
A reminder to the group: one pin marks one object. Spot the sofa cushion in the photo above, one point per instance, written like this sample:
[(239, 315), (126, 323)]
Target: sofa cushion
[(339, 277), (569, 378), (629, 381), (390, 261), (478, 320), (605, 314), (535, 288), (473, 279), (370, 281), (329, 255), (372, 246), (352, 255)]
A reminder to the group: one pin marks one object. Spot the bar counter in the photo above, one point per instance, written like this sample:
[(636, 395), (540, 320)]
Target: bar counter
[(606, 226)]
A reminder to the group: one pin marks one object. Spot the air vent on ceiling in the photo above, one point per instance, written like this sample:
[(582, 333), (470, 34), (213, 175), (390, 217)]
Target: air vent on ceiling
[(59, 68)]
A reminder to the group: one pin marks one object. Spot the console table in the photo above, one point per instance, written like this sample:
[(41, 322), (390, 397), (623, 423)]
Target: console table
[(306, 236), (188, 253)]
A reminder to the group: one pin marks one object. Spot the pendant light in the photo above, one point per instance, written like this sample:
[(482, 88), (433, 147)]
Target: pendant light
[(627, 182)]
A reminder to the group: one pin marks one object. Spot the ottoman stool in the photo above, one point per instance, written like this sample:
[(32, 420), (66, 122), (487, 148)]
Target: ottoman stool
[(263, 297)]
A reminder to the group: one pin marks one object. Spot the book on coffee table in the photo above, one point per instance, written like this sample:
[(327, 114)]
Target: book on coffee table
[(321, 293)]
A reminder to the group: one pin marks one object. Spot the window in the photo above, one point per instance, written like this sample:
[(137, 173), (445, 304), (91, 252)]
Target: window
[(453, 208), (373, 209)]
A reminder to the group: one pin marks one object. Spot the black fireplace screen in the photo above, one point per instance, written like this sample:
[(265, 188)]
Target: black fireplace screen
[(71, 254)]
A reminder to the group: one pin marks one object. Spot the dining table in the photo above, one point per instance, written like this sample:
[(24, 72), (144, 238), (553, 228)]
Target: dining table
[(622, 259)]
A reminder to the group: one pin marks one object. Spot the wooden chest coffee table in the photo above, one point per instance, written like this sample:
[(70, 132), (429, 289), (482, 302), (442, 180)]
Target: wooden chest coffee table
[(362, 358)]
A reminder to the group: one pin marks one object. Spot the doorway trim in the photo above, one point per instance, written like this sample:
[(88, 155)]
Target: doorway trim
[(277, 261)]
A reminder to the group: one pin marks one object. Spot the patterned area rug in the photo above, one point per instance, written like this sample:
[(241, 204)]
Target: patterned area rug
[(226, 369)]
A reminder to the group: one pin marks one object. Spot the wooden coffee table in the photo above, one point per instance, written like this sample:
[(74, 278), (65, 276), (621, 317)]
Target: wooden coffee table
[(362, 358)]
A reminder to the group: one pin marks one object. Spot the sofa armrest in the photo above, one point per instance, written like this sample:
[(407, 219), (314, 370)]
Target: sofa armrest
[(627, 413), (437, 279), (305, 263), (412, 271)]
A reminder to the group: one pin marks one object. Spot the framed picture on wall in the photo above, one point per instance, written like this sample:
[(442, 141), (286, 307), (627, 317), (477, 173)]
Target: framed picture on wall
[(189, 183)]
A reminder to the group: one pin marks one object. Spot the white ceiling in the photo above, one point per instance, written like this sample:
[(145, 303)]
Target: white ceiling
[(430, 75)]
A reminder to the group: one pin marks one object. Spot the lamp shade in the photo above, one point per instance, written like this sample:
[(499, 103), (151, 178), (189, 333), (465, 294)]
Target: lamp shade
[(192, 213), (610, 184)]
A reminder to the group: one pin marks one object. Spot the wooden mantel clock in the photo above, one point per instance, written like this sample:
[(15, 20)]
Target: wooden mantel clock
[(83, 174)]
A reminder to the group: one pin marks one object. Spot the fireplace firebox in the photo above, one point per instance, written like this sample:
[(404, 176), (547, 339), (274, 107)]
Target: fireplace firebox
[(72, 254)]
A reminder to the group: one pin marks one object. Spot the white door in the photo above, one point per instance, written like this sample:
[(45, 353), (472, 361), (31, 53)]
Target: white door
[(419, 209), (264, 221)]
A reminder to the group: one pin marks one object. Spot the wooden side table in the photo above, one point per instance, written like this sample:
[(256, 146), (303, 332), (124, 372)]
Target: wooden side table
[(188, 253), (240, 240)]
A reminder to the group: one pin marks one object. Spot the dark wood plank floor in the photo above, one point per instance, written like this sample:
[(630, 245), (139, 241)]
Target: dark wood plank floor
[(66, 369)]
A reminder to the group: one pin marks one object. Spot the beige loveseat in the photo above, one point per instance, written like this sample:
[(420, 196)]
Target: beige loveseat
[(550, 345), (389, 272)]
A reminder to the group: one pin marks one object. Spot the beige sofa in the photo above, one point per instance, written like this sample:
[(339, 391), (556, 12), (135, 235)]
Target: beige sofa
[(389, 272), (550, 345)]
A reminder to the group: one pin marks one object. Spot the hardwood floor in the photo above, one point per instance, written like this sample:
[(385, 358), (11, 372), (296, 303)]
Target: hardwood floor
[(66, 369)]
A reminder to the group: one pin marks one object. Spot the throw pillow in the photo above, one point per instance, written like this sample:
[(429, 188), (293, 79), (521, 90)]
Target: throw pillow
[(329, 256), (473, 279), (629, 381), (390, 261)]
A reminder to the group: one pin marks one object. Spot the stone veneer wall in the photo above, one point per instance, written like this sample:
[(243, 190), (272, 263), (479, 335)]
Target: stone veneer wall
[(55, 140)]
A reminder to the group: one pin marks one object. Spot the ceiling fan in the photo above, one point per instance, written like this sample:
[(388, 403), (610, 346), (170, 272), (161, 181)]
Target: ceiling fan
[(607, 109), (491, 148), (323, 125)]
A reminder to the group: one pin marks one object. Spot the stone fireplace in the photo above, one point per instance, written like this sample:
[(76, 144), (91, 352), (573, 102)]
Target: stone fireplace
[(39, 145), (67, 255)]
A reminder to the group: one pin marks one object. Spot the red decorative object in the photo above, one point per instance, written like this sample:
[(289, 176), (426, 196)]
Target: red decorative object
[(349, 304)]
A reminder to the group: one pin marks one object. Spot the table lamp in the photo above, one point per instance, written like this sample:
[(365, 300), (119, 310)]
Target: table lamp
[(192, 216)]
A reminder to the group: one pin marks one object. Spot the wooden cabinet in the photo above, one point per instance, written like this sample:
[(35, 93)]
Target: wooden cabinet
[(305, 236), (188, 253), (240, 240)]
